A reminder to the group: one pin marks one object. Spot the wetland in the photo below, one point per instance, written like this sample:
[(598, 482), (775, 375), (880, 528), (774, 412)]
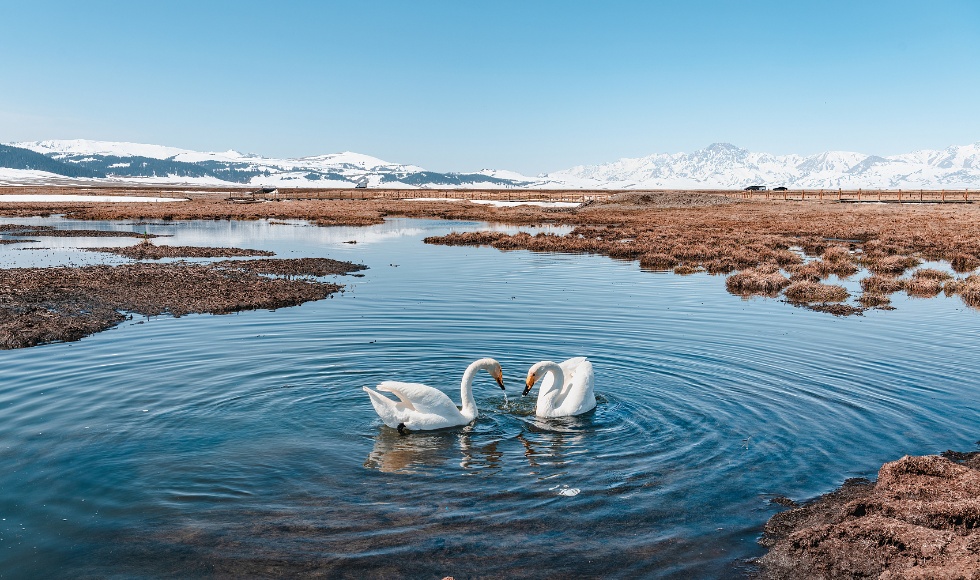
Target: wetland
[(242, 444)]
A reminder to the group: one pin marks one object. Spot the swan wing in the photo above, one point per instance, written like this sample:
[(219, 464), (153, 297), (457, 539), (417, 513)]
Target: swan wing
[(392, 413), (422, 398), (579, 389), (569, 366)]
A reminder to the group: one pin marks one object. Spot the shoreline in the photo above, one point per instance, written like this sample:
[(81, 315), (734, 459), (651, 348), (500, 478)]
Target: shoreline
[(919, 519), (43, 305)]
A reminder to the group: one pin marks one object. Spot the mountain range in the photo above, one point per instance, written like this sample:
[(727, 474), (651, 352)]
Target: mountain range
[(718, 166)]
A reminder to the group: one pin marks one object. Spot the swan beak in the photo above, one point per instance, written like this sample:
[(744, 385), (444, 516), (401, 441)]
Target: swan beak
[(531, 379), (500, 381)]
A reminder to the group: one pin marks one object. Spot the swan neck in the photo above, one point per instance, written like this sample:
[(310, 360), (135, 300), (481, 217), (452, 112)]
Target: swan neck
[(469, 409), (559, 381)]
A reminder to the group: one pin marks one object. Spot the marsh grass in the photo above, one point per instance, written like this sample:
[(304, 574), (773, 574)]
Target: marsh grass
[(875, 284), (968, 290), (926, 283), (763, 280), (895, 265), (680, 231), (815, 292), (963, 263), (874, 300), (658, 261)]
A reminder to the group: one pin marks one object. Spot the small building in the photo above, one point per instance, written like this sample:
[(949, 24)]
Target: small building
[(362, 183), (756, 188)]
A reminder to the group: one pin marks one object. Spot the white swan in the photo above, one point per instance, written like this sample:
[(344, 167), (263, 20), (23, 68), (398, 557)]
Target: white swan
[(566, 388), (423, 408)]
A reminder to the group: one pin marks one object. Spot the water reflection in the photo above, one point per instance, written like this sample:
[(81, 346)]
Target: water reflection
[(555, 442), (424, 451)]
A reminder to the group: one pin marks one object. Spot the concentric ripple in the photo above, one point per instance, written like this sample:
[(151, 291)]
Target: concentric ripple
[(243, 445)]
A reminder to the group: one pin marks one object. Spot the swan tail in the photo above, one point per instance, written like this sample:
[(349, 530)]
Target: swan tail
[(385, 408)]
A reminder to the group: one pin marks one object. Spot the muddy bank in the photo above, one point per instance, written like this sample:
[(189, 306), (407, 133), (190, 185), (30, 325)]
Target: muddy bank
[(43, 305), (148, 251), (921, 519)]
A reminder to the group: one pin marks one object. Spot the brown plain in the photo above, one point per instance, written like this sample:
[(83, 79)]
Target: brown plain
[(683, 231)]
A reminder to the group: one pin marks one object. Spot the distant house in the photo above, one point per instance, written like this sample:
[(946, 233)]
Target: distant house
[(756, 188), (266, 190), (362, 183)]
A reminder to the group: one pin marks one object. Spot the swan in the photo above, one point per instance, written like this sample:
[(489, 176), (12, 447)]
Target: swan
[(423, 408), (566, 388)]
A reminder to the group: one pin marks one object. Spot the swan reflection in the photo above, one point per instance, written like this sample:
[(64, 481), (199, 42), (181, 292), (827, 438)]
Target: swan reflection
[(419, 451), (546, 447), (544, 444)]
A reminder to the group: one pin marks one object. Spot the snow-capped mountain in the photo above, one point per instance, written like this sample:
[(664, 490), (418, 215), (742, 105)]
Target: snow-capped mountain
[(725, 166), (720, 165), (154, 164)]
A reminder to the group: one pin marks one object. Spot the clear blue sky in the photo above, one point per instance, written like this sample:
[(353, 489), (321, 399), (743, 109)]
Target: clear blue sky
[(525, 85)]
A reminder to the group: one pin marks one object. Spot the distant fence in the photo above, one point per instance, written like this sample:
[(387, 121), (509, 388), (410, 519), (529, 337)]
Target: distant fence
[(840, 195), (863, 195), (393, 194)]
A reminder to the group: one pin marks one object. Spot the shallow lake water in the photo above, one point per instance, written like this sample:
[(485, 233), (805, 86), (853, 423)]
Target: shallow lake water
[(242, 445)]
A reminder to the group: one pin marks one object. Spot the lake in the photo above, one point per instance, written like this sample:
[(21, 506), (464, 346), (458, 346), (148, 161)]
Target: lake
[(243, 445)]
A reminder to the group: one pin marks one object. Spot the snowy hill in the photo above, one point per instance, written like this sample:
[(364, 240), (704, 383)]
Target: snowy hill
[(725, 166), (718, 166)]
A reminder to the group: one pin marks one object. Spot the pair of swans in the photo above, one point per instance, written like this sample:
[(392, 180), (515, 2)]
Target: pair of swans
[(566, 389)]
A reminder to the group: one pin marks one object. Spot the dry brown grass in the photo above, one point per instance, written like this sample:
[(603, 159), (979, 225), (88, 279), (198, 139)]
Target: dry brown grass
[(874, 300), (888, 239), (932, 274), (895, 265), (42, 305), (923, 287), (968, 290), (926, 283), (882, 284), (686, 270), (963, 263), (764, 280), (836, 254), (656, 261), (148, 251), (810, 271), (815, 292)]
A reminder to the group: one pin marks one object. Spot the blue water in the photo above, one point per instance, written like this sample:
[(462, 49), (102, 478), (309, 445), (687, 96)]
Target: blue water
[(242, 445)]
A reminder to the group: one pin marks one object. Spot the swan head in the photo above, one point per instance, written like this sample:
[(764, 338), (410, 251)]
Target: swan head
[(534, 373), (497, 373)]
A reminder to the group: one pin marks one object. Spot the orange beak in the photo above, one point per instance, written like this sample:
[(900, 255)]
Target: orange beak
[(500, 381), (531, 379)]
